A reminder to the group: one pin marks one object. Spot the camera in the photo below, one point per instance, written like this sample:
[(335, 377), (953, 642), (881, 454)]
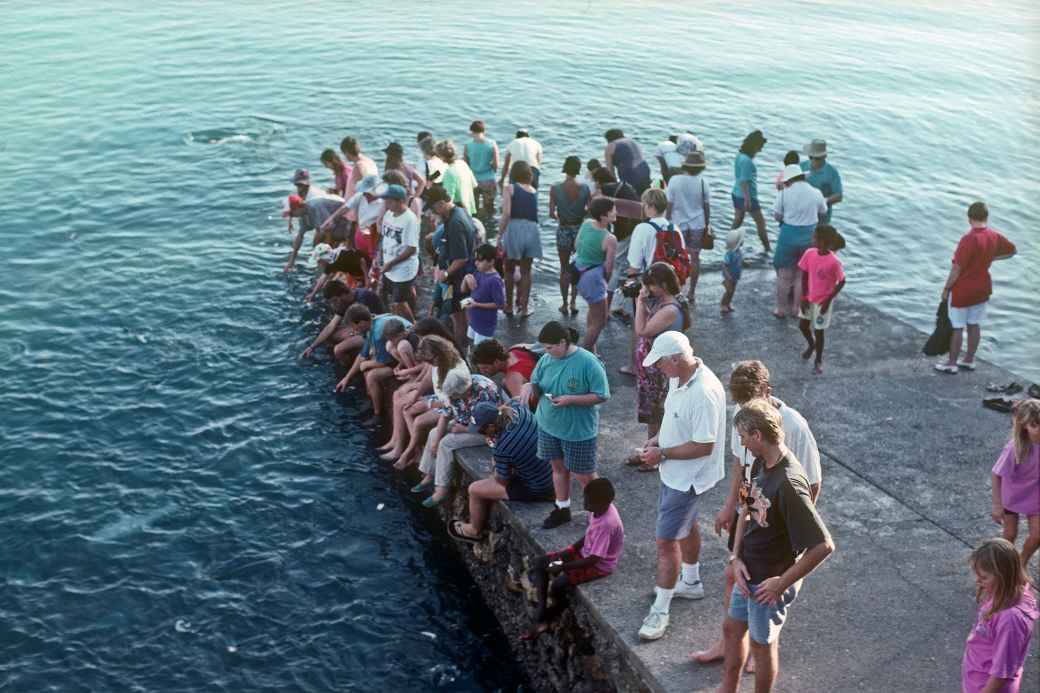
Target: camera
[(630, 288)]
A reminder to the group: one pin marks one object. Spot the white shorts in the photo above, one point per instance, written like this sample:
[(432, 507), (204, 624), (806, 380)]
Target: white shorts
[(820, 321), (969, 315)]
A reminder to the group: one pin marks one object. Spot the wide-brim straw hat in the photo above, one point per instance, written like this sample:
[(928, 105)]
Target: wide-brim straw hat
[(695, 160)]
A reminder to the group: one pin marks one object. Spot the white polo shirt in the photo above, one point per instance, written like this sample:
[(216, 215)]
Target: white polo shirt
[(694, 412), (798, 439), (525, 149), (799, 204)]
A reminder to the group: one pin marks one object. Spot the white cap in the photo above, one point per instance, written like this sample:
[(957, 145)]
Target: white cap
[(323, 251), (792, 171), (668, 344), (735, 238), (686, 144)]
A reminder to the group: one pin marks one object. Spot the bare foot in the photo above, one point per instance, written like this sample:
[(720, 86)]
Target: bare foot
[(808, 352), (818, 368), (404, 463), (717, 652), (390, 456), (777, 314), (725, 309)]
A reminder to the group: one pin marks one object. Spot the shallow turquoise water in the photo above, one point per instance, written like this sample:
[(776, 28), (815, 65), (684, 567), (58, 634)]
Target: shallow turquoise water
[(175, 484)]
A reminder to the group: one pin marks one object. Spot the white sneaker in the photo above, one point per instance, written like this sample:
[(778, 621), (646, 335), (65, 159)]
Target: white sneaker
[(654, 626), (689, 590)]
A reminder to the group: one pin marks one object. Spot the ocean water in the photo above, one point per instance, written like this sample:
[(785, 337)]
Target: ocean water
[(185, 505)]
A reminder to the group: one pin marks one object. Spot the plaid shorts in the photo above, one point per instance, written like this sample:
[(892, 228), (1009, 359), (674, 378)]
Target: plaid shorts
[(576, 577), (579, 456)]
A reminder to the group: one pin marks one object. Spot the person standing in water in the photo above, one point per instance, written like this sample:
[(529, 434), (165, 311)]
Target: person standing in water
[(482, 156), (745, 186), (526, 149), (519, 236), (821, 175), (623, 155), (568, 205)]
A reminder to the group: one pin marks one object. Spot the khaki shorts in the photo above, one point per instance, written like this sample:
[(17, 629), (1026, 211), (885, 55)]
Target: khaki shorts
[(820, 321)]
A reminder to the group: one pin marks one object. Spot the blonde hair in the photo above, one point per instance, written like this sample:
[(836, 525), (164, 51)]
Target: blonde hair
[(445, 149), (1026, 412), (441, 353), (999, 558), (656, 198), (759, 415)]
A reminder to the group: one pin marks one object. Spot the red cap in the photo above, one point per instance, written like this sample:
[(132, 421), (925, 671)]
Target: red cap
[(295, 202)]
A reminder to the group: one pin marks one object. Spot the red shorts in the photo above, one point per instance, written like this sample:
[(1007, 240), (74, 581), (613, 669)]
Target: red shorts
[(576, 577)]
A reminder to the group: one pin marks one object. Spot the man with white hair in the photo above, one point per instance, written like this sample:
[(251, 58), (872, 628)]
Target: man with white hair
[(690, 449)]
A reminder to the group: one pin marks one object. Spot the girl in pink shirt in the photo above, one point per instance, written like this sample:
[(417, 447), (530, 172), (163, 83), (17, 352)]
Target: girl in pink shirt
[(823, 277), (996, 650), (1016, 478)]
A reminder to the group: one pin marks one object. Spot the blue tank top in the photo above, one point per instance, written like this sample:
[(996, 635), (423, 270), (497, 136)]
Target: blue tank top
[(524, 205), (480, 156), (571, 212)]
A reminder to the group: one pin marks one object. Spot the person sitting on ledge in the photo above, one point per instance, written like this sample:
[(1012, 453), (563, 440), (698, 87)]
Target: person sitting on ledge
[(592, 557), (517, 363), (374, 361), (346, 342), (519, 475)]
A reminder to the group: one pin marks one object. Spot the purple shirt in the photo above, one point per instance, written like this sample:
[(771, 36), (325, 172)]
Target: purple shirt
[(998, 646), (490, 289), (1019, 483), (605, 538)]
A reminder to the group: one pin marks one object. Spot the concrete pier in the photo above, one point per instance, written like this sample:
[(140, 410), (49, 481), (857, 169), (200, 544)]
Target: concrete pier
[(906, 455)]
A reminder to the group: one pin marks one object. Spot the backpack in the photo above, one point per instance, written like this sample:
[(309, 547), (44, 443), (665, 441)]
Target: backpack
[(669, 248)]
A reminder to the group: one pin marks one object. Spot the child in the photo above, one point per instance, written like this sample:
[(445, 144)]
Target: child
[(732, 266), (823, 278), (397, 345), (592, 557), (1016, 478), (997, 646), (487, 296)]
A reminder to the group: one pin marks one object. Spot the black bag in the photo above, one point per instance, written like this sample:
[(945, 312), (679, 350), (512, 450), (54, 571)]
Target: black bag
[(939, 343)]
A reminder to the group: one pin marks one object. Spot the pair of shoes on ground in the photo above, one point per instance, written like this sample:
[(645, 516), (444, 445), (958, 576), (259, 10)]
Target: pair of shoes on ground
[(656, 622)]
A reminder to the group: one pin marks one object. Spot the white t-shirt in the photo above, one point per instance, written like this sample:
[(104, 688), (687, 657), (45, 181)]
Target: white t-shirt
[(436, 164), (694, 412), (800, 204), (643, 243), (398, 233), (369, 213), (687, 195), (667, 151), (525, 149), (798, 439)]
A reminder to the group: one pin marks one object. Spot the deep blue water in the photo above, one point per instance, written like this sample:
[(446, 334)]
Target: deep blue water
[(185, 506)]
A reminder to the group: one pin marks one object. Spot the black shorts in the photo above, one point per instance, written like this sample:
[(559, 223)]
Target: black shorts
[(399, 292), (516, 490)]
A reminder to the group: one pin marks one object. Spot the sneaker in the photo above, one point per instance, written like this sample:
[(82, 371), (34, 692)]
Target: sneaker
[(966, 365), (559, 516), (654, 626), (689, 590), (945, 368)]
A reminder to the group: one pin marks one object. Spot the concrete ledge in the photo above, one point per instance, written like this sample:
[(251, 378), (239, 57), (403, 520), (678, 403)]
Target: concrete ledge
[(906, 457)]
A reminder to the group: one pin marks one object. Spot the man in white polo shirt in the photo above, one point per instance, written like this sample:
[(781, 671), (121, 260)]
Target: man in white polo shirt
[(691, 450)]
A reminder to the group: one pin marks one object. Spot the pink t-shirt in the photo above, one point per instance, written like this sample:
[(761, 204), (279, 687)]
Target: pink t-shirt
[(825, 271), (343, 179), (998, 647), (605, 538), (1019, 483)]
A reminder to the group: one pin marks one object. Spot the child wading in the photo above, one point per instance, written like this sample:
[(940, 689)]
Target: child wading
[(1016, 478), (592, 557), (996, 650), (823, 279)]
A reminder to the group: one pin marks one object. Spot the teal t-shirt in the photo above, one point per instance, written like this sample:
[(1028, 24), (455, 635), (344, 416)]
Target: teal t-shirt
[(579, 373), (375, 345), (744, 171), (827, 180), (481, 155)]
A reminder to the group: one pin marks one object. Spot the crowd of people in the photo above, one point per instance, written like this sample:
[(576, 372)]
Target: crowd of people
[(416, 285)]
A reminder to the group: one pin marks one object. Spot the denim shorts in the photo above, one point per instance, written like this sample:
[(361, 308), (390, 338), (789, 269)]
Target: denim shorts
[(764, 621), (593, 285), (676, 513), (522, 240), (738, 203), (579, 456)]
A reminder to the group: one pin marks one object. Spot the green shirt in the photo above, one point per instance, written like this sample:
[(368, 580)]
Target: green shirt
[(589, 246), (579, 373)]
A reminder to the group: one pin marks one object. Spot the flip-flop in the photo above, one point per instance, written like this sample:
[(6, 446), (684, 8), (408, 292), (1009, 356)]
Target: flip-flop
[(455, 530), (1008, 389), (422, 487), (1001, 404)]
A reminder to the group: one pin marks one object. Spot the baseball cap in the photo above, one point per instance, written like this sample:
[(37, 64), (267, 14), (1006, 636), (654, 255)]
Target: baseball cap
[(483, 414), (301, 177), (667, 343), (394, 192)]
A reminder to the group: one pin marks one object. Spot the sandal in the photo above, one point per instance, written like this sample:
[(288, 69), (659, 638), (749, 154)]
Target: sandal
[(1001, 404), (422, 487), (455, 530)]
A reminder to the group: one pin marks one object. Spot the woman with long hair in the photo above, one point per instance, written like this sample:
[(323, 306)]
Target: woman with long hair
[(660, 307), (745, 186)]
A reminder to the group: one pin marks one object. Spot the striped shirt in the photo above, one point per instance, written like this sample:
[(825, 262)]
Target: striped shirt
[(516, 451)]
